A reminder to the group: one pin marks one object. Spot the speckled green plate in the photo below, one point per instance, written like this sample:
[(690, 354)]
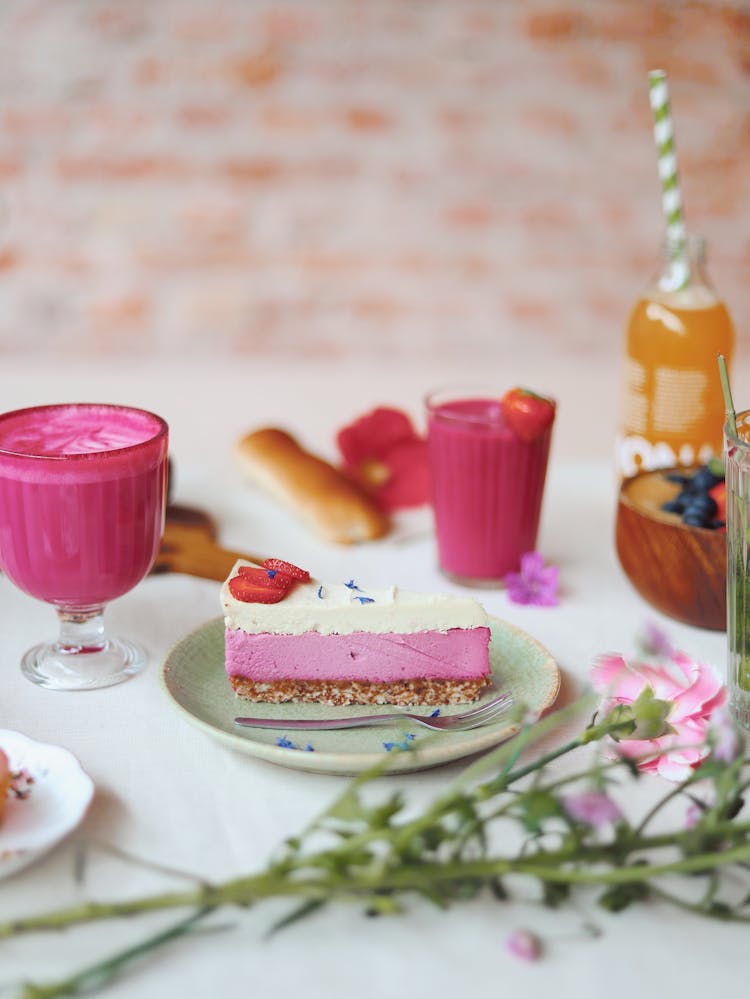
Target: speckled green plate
[(194, 679)]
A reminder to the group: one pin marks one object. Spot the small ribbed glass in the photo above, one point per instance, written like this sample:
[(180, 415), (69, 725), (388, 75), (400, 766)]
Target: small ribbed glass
[(737, 453)]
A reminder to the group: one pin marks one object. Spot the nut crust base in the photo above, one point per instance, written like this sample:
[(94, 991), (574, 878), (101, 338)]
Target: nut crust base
[(337, 692)]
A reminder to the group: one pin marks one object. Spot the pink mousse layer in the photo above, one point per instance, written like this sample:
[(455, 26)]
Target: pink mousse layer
[(458, 654)]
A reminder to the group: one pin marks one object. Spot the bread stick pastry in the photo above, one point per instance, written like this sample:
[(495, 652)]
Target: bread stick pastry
[(323, 497)]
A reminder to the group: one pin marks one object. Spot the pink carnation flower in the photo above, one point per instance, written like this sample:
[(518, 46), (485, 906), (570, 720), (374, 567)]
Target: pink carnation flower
[(694, 692)]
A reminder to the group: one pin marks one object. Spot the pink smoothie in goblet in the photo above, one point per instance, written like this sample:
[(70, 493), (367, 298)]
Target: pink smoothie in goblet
[(81, 500), (487, 486)]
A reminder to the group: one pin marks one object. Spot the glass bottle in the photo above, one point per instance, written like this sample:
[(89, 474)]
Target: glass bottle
[(673, 409)]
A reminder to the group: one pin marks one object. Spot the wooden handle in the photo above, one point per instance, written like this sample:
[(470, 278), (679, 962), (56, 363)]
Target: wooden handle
[(190, 548)]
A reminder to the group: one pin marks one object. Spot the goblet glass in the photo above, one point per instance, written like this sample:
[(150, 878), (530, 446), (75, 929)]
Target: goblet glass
[(82, 493)]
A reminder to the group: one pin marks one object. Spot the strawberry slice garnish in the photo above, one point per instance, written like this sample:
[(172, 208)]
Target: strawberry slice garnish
[(248, 591), (270, 579), (527, 414), (287, 569)]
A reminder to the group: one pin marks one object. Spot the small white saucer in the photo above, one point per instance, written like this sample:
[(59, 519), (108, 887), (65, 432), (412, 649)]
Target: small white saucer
[(59, 797)]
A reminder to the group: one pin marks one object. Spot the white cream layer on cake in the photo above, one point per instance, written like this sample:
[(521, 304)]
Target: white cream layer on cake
[(343, 643)]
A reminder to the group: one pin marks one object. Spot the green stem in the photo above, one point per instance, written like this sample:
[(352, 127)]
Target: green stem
[(674, 793), (356, 885), (105, 970)]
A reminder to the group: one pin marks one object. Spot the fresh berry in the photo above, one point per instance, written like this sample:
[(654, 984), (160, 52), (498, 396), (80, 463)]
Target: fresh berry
[(526, 413), (694, 520), (719, 495), (244, 589), (703, 480), (673, 506), (702, 504), (270, 579), (702, 499), (287, 569)]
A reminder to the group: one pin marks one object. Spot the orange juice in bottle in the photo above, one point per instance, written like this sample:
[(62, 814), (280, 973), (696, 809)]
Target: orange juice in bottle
[(673, 409)]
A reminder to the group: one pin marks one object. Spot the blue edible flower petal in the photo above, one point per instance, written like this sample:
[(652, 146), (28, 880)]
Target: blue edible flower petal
[(320, 593), (435, 713), (351, 585), (404, 744), (284, 743), (365, 600), (272, 573), (309, 748)]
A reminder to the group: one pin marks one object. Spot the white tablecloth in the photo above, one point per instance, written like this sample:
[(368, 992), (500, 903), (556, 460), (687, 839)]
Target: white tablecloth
[(167, 792)]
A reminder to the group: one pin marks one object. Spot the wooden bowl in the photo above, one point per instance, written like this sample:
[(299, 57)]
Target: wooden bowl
[(679, 570)]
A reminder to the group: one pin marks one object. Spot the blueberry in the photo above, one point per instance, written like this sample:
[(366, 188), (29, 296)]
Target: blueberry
[(703, 480), (694, 520), (684, 497), (681, 480), (702, 504), (673, 506)]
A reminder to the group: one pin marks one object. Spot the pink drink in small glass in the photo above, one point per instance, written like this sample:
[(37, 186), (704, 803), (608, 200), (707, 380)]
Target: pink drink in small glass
[(82, 492), (487, 486)]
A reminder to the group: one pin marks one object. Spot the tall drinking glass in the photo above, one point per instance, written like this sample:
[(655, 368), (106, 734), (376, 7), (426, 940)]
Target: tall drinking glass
[(82, 493), (487, 485), (737, 454)]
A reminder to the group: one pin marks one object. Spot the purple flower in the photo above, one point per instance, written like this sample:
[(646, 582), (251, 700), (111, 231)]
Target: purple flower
[(693, 814), (594, 808), (723, 737), (654, 641), (524, 945), (535, 584)]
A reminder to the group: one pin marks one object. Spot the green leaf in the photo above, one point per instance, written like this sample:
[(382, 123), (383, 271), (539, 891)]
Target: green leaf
[(384, 905), (534, 807), (306, 909), (499, 890), (348, 807), (553, 894), (619, 897), (650, 715)]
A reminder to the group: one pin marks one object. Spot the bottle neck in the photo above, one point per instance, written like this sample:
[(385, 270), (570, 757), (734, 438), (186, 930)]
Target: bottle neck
[(684, 264)]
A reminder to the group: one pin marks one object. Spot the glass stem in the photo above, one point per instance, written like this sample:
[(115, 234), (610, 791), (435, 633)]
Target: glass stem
[(81, 630)]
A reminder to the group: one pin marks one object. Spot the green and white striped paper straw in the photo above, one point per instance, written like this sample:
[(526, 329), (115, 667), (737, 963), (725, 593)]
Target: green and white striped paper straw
[(671, 198)]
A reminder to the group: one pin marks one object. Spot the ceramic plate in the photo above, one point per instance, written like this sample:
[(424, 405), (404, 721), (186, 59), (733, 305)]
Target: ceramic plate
[(194, 679), (59, 797)]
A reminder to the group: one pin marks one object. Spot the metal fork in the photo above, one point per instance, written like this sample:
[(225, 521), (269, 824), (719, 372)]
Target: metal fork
[(480, 715)]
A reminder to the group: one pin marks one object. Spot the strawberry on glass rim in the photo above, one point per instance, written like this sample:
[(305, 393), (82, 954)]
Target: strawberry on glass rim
[(527, 413), (267, 583)]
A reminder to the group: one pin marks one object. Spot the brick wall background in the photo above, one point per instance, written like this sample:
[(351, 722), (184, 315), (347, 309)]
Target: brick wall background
[(354, 177)]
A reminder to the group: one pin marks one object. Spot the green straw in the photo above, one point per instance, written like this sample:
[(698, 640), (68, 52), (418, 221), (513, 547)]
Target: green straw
[(728, 403), (671, 199)]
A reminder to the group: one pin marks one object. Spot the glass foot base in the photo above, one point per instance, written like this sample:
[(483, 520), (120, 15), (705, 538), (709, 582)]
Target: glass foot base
[(47, 665)]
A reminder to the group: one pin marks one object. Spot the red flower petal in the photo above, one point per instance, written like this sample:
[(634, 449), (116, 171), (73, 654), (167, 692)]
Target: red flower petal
[(373, 435), (384, 454), (409, 484)]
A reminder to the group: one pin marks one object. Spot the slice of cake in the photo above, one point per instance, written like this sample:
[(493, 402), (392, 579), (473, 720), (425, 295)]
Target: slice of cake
[(296, 639)]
